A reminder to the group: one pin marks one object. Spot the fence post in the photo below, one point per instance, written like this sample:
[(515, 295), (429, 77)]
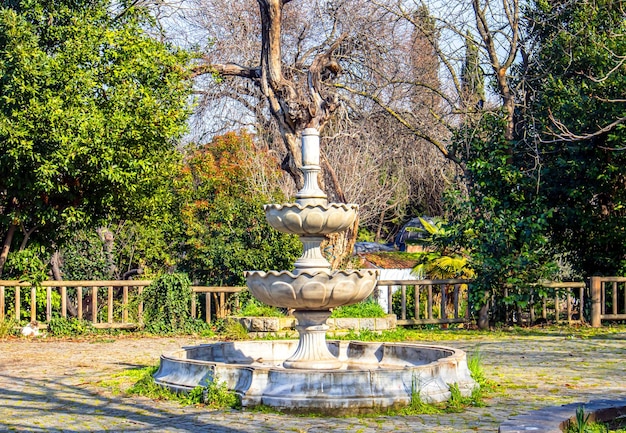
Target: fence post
[(64, 302), (18, 303), (94, 305), (1, 303), (110, 305), (33, 303), (48, 304), (79, 301), (207, 307), (596, 305)]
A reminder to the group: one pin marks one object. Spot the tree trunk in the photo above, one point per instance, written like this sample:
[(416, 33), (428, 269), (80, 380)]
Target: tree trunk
[(6, 247), (55, 266), (339, 246), (483, 316)]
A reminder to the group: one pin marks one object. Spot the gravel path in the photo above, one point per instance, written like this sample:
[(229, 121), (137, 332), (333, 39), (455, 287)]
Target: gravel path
[(52, 386)]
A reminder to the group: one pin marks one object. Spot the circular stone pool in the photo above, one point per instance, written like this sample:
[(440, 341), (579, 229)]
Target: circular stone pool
[(373, 376)]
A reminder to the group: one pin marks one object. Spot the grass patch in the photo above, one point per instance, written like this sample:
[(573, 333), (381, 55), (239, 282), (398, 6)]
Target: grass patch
[(8, 328), (140, 382), (232, 330), (254, 308), (365, 309), (581, 424)]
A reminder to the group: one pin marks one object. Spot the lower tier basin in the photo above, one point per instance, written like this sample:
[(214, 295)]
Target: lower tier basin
[(373, 376)]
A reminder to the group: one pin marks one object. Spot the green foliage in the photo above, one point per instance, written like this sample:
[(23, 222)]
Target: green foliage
[(581, 424), (215, 394), (474, 364), (30, 265), (582, 421), (108, 252), (254, 308), (147, 387), (455, 404), (8, 327), (364, 309), (398, 334), (233, 330), (167, 306), (418, 406), (91, 107), (84, 258), (503, 221), (578, 92), (226, 232), (442, 258), (69, 327)]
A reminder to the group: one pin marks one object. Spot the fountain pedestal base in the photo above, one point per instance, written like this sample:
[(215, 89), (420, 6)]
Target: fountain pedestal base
[(312, 352)]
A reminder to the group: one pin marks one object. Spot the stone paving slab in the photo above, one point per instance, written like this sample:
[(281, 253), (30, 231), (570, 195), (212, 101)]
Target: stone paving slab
[(52, 386)]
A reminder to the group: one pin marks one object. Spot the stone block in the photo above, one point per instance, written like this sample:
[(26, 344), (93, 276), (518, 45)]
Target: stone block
[(347, 323), (367, 323), (257, 324)]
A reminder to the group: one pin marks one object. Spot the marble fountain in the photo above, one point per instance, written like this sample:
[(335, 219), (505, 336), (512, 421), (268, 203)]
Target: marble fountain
[(312, 374)]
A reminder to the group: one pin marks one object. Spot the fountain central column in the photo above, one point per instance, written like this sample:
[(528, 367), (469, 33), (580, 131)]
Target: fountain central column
[(312, 290)]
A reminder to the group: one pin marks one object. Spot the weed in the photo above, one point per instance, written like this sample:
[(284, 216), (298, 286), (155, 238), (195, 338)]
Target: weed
[(147, 387), (233, 330), (456, 402), (418, 406), (8, 327), (582, 420), (215, 394)]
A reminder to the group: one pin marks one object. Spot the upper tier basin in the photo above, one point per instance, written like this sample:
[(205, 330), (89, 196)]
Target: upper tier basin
[(311, 220), (317, 291)]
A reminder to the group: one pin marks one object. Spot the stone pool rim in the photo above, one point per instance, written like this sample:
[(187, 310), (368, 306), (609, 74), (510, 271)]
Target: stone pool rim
[(380, 379)]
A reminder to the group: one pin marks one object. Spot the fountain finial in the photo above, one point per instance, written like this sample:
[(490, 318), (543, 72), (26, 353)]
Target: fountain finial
[(311, 194)]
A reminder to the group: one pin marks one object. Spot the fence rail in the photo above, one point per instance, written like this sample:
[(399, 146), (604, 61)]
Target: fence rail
[(608, 299), (116, 303), (113, 304), (448, 297), (567, 300)]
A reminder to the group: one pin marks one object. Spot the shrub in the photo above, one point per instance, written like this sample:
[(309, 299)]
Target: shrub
[(167, 306), (367, 308), (64, 327), (8, 327)]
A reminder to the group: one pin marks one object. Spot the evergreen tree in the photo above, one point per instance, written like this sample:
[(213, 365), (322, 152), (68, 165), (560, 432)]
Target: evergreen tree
[(578, 77)]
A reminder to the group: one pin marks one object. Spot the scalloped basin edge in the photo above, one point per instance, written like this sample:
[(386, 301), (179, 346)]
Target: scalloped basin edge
[(312, 290), (374, 376), (310, 220)]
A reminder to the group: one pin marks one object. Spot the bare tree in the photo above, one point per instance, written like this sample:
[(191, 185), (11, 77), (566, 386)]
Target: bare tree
[(280, 66)]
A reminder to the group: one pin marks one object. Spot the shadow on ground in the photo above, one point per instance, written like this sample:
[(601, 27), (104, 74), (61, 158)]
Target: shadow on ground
[(38, 405)]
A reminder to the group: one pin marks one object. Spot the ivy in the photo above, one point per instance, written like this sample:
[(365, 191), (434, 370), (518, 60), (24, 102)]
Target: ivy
[(167, 306)]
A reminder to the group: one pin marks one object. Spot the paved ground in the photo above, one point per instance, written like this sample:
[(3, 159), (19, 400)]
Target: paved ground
[(52, 386)]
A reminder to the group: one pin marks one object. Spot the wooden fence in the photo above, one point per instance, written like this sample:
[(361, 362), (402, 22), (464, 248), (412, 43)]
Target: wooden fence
[(433, 301), (553, 302), (89, 305), (608, 299), (109, 304), (447, 301)]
